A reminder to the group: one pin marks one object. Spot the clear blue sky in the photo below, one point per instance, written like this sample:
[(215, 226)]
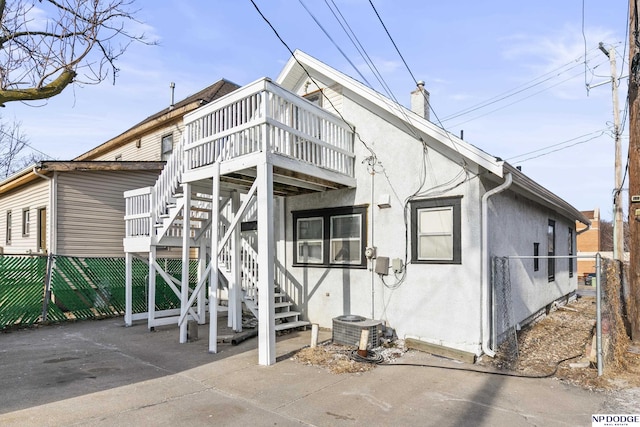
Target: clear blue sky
[(525, 58)]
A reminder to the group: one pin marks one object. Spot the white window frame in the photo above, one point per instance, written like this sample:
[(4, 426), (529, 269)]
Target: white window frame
[(452, 205)]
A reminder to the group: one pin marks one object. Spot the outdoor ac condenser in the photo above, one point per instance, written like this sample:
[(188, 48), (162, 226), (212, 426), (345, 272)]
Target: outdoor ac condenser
[(347, 329)]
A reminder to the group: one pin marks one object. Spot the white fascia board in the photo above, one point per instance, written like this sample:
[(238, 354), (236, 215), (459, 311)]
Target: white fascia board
[(290, 76), (531, 188), (18, 174)]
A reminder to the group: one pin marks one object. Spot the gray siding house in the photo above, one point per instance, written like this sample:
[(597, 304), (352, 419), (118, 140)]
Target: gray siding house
[(76, 208)]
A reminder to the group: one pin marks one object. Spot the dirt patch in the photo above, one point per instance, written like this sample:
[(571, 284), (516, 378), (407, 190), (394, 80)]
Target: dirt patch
[(340, 359), (561, 343)]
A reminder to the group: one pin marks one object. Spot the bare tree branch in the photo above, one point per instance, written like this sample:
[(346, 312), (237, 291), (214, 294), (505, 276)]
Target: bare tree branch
[(47, 45)]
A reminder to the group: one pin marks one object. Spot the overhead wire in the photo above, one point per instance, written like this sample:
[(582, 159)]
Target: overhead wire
[(311, 78), (519, 89), (518, 100)]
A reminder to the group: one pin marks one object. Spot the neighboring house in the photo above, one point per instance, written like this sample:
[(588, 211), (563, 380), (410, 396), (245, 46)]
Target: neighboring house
[(75, 208), (360, 207), (588, 244)]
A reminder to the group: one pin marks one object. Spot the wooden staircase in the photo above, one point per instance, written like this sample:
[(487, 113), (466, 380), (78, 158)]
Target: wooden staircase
[(285, 317)]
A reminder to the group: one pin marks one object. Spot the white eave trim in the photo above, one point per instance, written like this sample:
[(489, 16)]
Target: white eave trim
[(424, 126), (545, 196)]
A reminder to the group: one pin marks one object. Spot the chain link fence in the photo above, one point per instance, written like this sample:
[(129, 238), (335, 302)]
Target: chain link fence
[(614, 322), (37, 289)]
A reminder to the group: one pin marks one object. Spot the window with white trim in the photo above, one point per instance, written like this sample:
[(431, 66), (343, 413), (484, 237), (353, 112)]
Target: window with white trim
[(26, 222), (330, 237)]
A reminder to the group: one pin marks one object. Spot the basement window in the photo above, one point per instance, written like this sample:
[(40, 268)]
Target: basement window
[(330, 237), (435, 231)]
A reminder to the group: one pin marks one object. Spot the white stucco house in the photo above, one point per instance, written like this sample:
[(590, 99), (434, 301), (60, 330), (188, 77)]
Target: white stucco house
[(351, 205)]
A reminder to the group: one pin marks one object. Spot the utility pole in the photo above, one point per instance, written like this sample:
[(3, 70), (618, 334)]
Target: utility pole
[(634, 171), (618, 224)]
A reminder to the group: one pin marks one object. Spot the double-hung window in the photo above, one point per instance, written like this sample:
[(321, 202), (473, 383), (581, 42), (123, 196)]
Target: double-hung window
[(330, 237), (435, 231)]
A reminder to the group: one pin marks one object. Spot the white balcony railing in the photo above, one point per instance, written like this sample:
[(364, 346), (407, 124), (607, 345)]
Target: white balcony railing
[(263, 115)]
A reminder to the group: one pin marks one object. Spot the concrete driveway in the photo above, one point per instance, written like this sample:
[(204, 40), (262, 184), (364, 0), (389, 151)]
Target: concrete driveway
[(100, 373)]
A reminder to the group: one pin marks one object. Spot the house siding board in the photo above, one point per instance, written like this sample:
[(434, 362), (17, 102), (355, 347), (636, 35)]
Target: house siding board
[(91, 210), (433, 302), (512, 215), (150, 146), (33, 196)]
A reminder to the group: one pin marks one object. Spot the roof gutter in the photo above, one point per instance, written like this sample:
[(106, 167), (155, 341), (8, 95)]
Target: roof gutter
[(485, 309)]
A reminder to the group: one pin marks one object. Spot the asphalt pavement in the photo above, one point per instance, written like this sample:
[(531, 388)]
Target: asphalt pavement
[(100, 373)]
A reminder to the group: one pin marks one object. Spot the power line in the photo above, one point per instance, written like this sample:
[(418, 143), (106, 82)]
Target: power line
[(598, 132), (518, 89), (518, 100), (311, 78), (559, 149)]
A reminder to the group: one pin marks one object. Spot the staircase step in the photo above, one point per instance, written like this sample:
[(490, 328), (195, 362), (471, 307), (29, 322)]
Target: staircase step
[(291, 325), (282, 304), (285, 314)]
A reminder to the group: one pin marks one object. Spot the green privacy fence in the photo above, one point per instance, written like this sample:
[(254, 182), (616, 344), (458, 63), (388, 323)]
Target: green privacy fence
[(34, 289)]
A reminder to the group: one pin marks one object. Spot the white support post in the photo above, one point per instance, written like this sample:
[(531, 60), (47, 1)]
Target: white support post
[(128, 289), (186, 235), (281, 248), (213, 274), (151, 302), (266, 313), (235, 288), (202, 267)]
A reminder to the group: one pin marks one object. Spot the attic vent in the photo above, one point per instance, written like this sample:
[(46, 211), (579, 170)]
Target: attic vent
[(347, 330)]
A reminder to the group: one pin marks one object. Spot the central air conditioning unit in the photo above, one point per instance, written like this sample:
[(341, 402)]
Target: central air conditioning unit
[(348, 328)]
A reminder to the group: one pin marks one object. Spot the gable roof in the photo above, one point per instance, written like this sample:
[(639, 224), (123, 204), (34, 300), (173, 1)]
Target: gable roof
[(164, 117), (296, 69)]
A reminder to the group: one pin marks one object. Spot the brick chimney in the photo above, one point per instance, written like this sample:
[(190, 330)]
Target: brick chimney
[(420, 101)]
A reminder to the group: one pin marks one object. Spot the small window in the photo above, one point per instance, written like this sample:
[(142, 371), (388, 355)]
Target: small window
[(330, 237), (167, 146), (435, 231), (314, 97), (26, 222), (536, 253), (8, 228), (570, 244), (551, 250)]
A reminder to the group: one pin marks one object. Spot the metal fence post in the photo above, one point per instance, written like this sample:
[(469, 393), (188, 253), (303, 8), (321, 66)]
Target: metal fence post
[(599, 313), (47, 287)]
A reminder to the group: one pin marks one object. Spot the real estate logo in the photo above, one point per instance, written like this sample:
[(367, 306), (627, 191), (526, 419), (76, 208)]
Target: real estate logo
[(615, 420)]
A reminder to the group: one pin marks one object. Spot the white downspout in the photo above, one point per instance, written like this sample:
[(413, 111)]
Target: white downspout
[(484, 268), (51, 244)]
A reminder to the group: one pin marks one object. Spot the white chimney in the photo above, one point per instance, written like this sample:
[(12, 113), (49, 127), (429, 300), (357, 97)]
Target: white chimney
[(420, 101)]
